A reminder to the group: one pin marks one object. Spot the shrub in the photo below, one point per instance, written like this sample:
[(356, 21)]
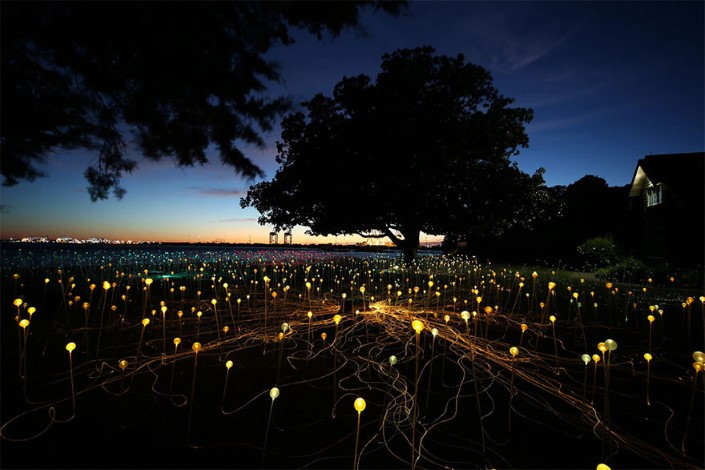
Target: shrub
[(598, 252), (627, 269)]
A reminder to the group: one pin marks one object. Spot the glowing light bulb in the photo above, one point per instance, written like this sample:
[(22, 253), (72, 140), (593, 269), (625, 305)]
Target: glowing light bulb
[(596, 357), (648, 356), (514, 351), (601, 466), (229, 364), (699, 356), (446, 318), (337, 319), (602, 346), (177, 341), (552, 318), (465, 315), (145, 322), (285, 327), (324, 336), (392, 360), (417, 325), (123, 364), (611, 344), (524, 327), (70, 347), (360, 404), (309, 314), (274, 393), (434, 332), (24, 323), (585, 358), (196, 347)]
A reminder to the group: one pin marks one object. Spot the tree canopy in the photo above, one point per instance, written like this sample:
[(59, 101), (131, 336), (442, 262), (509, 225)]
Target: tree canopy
[(167, 79), (425, 147)]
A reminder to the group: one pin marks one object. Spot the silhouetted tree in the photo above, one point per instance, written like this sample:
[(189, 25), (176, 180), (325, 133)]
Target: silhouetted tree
[(425, 148), (179, 76)]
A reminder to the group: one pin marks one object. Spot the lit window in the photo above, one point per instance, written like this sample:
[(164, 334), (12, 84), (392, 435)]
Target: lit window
[(654, 195)]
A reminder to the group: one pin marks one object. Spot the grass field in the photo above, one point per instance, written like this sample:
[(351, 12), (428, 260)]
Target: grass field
[(576, 391)]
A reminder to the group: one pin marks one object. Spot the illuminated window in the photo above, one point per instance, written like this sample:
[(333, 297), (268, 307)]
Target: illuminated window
[(654, 195)]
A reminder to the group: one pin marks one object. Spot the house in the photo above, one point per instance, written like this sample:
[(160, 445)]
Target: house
[(667, 208)]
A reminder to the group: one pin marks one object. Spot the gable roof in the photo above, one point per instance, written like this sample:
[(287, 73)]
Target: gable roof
[(682, 173)]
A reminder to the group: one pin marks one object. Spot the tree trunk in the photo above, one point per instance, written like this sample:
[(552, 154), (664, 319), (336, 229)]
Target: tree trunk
[(410, 246)]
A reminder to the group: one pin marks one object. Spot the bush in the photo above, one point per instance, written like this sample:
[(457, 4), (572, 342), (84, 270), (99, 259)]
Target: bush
[(628, 269), (598, 252)]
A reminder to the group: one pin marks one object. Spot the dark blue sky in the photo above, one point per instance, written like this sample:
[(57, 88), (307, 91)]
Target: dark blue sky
[(609, 82)]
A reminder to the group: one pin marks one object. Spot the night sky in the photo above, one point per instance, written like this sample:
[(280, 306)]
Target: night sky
[(609, 83)]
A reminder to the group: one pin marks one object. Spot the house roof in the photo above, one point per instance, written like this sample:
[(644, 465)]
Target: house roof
[(682, 173)]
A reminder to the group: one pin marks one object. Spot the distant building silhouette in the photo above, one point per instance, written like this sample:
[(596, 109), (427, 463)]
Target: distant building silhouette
[(667, 208), (273, 238)]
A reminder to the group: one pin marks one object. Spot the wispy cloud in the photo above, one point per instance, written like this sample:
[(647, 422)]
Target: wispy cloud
[(509, 40), (218, 192)]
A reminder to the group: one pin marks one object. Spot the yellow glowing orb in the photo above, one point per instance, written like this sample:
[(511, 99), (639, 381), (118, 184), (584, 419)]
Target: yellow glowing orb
[(552, 318), (596, 358), (196, 346), (229, 364), (285, 327), (651, 318), (274, 393), (585, 358), (446, 318), (309, 314), (465, 315), (648, 356), (71, 346), (392, 359), (145, 322), (514, 351), (601, 466), (324, 336), (337, 319), (360, 404), (177, 341), (602, 346), (417, 325), (611, 344), (123, 364), (434, 332), (699, 356)]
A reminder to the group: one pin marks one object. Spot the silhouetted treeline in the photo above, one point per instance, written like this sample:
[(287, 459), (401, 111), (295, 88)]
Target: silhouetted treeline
[(586, 209)]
